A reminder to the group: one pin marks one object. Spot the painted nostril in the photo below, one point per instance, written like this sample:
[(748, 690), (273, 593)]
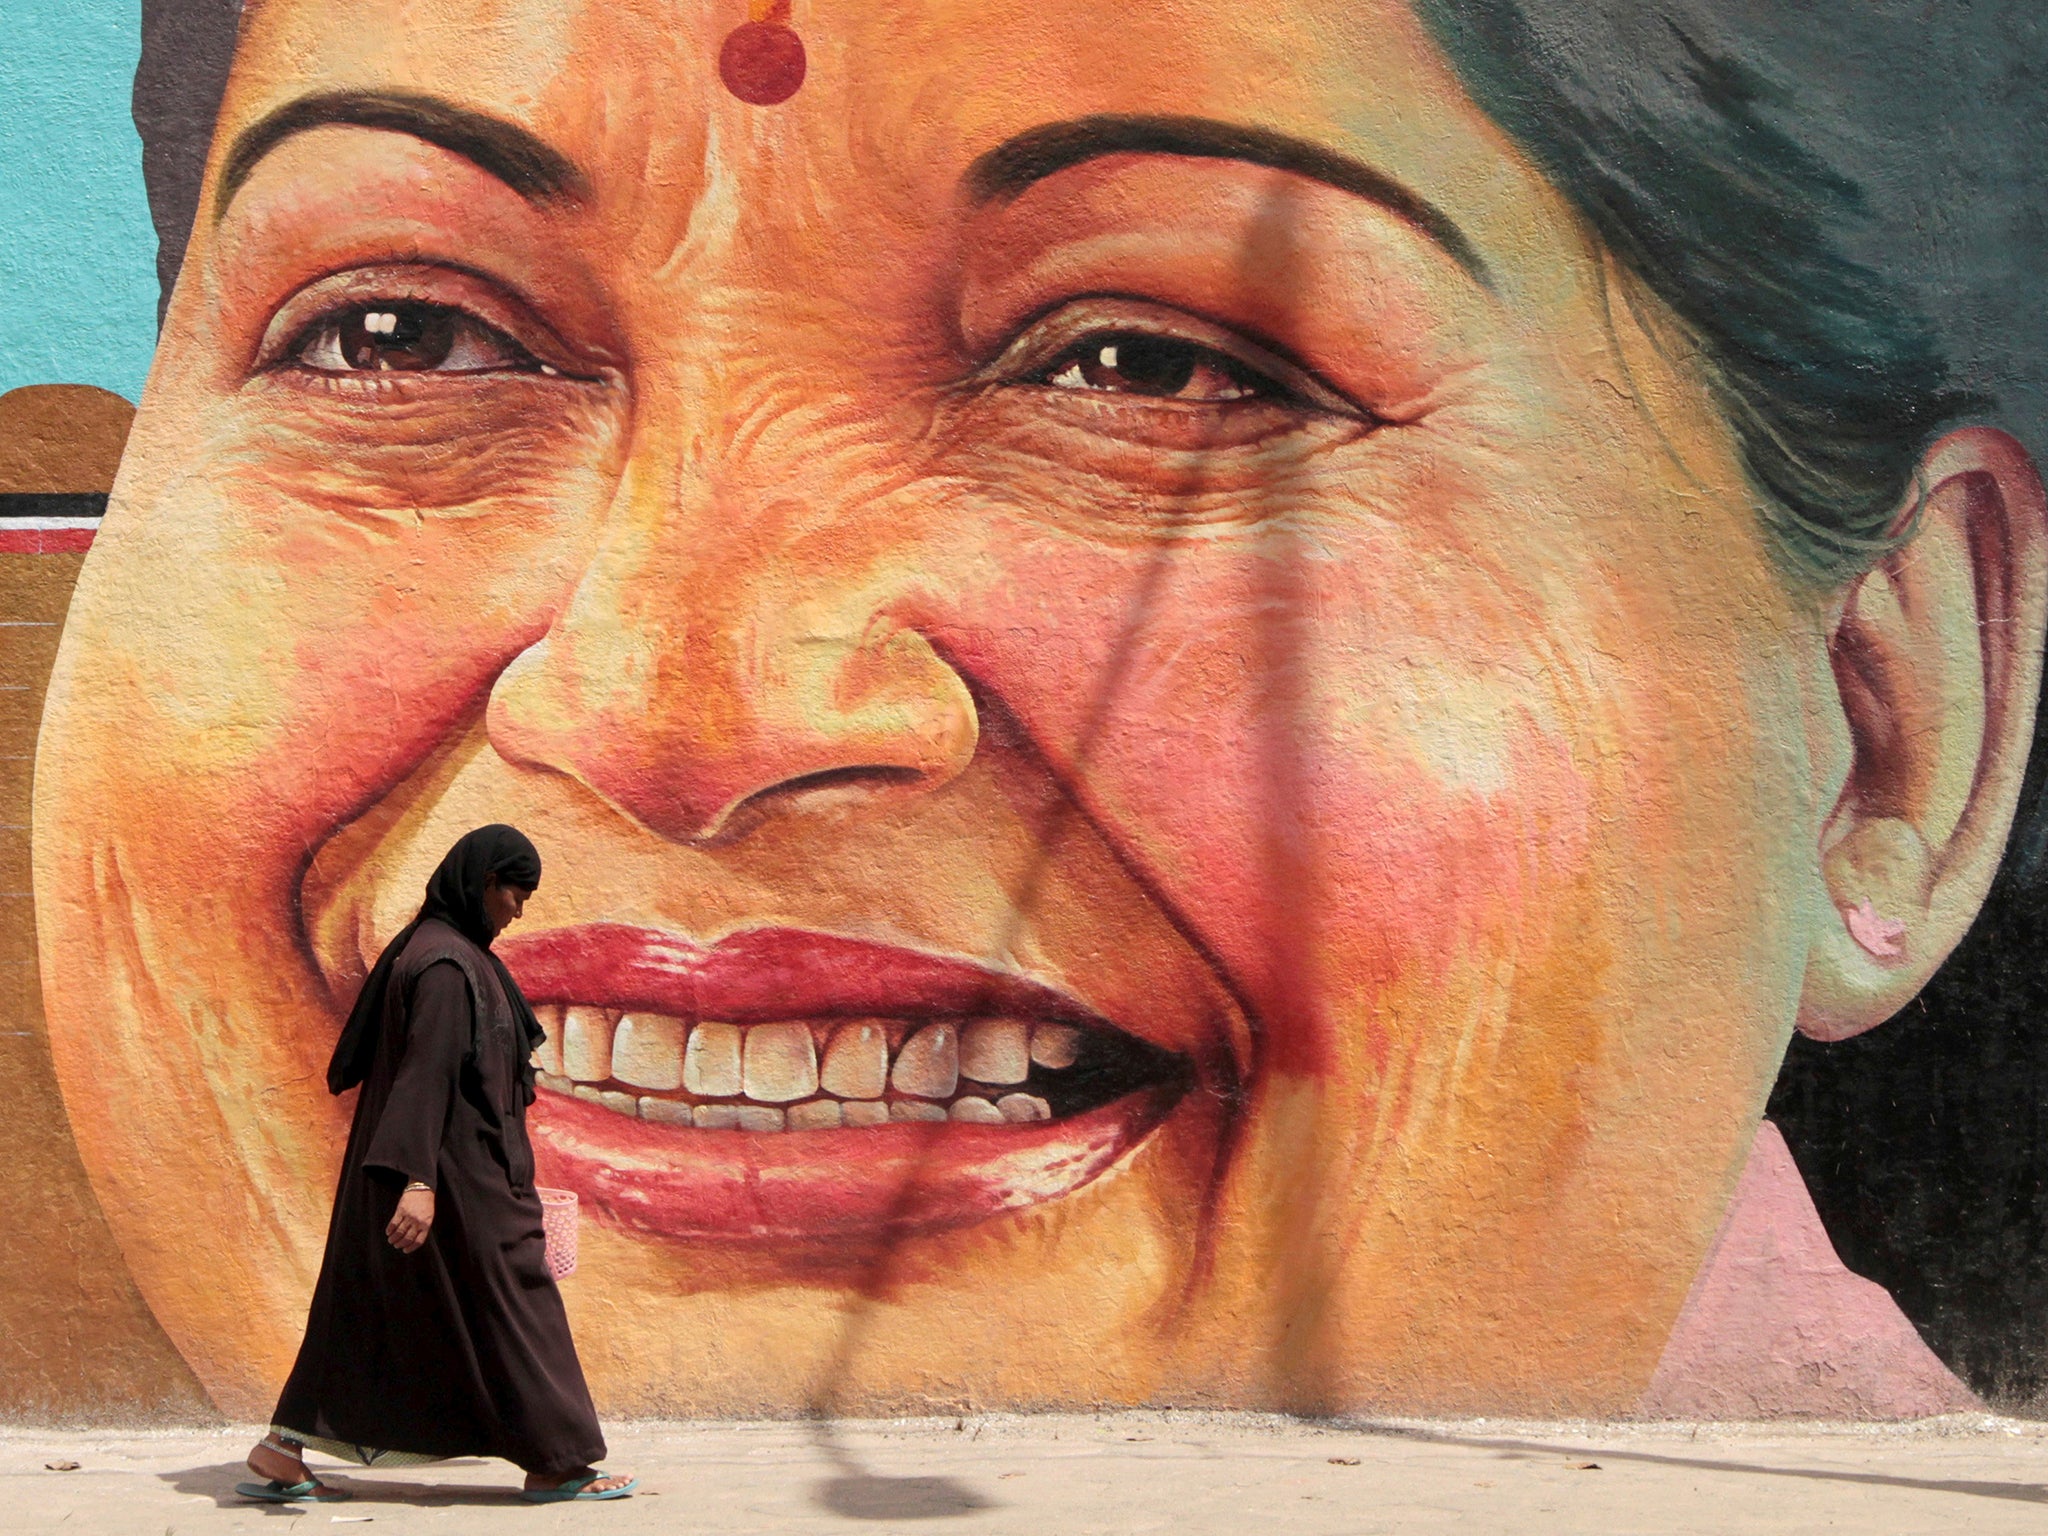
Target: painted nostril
[(836, 778), (679, 739)]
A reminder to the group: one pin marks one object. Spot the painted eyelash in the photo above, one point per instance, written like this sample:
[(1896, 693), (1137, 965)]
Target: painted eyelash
[(387, 284), (1288, 380), (323, 328), (1074, 356)]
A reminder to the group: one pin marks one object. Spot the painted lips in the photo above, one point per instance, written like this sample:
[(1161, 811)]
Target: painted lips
[(785, 1085)]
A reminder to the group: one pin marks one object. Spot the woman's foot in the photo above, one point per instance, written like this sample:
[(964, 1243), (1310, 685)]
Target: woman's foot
[(605, 1482), (283, 1461)]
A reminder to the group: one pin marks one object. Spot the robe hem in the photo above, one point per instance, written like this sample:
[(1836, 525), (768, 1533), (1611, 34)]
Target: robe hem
[(360, 1455)]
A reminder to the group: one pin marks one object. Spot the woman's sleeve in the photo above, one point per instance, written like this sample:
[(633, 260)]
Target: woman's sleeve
[(407, 1140)]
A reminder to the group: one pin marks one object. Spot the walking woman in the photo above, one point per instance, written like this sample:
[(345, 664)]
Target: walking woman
[(436, 1329)]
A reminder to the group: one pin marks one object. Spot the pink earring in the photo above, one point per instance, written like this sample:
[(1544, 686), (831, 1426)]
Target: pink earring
[(1883, 937)]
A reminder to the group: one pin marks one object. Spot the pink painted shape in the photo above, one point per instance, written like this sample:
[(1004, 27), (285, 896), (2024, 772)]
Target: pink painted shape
[(1882, 936), (1776, 1327)]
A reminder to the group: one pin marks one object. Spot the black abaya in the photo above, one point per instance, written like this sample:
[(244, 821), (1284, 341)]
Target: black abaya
[(461, 1348)]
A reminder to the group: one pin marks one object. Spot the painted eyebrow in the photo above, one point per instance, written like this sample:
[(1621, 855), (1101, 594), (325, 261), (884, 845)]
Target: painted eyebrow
[(529, 166), (1007, 170)]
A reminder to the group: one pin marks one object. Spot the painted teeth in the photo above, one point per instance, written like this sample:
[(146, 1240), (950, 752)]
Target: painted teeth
[(675, 1112), (781, 1063), (941, 1072), (1055, 1046), (996, 1051), (929, 1063), (550, 1053), (587, 1045), (711, 1063), (1022, 1108), (857, 1061), (815, 1115), (647, 1051)]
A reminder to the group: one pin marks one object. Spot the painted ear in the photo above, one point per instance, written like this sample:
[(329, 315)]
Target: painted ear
[(1937, 661)]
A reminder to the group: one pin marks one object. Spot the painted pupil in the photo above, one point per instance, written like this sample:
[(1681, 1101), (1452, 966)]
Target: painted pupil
[(1148, 365), (398, 336)]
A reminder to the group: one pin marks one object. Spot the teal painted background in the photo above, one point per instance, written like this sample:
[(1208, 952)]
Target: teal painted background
[(77, 265)]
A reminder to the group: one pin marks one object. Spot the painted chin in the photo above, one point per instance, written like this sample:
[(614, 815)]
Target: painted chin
[(797, 1088)]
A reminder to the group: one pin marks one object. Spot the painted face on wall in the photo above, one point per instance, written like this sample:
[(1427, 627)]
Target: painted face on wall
[(1172, 759)]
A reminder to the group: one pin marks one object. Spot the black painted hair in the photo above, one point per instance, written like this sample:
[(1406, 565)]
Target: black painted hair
[(187, 46), (1685, 166)]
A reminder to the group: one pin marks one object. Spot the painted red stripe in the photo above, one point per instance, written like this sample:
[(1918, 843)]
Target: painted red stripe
[(44, 541)]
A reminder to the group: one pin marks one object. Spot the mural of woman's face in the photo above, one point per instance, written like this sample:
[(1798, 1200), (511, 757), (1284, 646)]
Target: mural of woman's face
[(1133, 562)]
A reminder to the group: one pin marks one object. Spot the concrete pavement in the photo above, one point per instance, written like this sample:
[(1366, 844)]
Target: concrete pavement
[(1178, 1474)]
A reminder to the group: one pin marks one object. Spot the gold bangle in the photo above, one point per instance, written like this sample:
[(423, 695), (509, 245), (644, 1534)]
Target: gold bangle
[(416, 1184)]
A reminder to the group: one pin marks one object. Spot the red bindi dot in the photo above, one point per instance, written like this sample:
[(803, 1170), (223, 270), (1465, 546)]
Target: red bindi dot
[(762, 62)]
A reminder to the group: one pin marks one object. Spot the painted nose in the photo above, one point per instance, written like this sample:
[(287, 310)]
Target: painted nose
[(680, 685)]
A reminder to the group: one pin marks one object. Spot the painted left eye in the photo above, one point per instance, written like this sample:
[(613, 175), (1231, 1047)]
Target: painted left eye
[(408, 337), (1157, 368)]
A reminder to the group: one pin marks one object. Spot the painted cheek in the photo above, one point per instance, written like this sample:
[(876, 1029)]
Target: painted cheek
[(375, 644), (357, 611), (1259, 754)]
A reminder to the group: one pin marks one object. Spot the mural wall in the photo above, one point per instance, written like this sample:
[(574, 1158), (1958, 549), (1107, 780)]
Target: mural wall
[(1324, 706)]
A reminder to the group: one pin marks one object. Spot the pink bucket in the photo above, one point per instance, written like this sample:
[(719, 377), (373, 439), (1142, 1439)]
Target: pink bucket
[(558, 1220)]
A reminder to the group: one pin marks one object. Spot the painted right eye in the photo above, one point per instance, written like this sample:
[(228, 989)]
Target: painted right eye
[(408, 337), (1157, 368)]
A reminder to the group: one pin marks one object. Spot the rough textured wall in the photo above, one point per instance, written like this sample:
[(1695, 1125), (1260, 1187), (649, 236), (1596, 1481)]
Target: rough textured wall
[(1199, 728), (79, 1342)]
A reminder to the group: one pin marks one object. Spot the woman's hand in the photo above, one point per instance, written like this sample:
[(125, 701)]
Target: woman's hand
[(409, 1223)]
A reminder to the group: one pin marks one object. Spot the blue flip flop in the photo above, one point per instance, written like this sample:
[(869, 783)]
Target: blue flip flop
[(578, 1488), (273, 1492)]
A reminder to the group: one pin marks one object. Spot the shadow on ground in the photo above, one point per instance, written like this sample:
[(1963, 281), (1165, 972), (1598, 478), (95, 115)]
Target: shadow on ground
[(858, 1494), (867, 1496), (1513, 1450), (854, 1494), (218, 1483)]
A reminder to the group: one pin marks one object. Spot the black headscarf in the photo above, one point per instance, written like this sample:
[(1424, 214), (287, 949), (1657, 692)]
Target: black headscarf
[(455, 896)]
